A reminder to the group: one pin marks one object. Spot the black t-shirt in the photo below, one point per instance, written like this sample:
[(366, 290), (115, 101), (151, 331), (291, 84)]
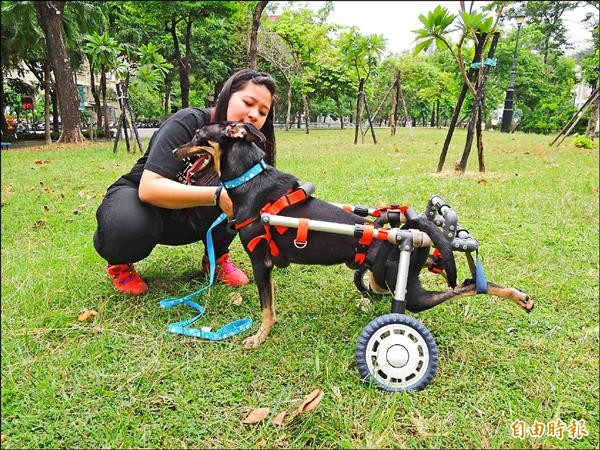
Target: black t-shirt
[(175, 131)]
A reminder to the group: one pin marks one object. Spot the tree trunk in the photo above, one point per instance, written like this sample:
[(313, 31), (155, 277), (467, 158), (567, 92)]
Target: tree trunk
[(182, 63), (254, 34), (47, 135), (437, 113), (459, 103), (358, 121), (306, 112), (395, 99), (480, 140), (55, 108), (407, 120), (50, 17), (186, 65), (338, 105), (592, 127), (96, 96), (288, 115), (370, 122), (432, 121), (167, 101), (104, 103), (4, 123), (476, 106)]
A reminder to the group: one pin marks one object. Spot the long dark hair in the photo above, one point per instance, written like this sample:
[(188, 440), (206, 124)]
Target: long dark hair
[(238, 81)]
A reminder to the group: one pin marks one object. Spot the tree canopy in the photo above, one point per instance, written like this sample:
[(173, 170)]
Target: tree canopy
[(178, 53)]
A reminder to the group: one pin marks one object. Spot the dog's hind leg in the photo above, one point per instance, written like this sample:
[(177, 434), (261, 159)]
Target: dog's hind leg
[(264, 282), (420, 299)]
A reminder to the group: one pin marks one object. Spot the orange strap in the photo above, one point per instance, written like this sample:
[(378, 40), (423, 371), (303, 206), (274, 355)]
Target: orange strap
[(382, 234), (301, 234), (363, 244), (284, 201), (266, 236), (378, 211), (367, 236), (239, 226)]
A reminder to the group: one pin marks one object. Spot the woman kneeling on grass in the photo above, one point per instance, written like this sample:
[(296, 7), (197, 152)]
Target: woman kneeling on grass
[(154, 204)]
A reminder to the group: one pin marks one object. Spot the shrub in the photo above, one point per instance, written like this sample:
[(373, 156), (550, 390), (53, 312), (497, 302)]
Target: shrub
[(37, 136), (99, 133), (581, 141)]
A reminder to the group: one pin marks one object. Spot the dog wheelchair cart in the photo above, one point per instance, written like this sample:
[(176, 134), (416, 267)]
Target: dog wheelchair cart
[(396, 351)]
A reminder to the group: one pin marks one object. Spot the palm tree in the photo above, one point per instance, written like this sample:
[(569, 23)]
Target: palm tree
[(103, 51)]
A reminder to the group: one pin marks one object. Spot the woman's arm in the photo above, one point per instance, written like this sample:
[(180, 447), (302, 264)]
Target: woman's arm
[(166, 193)]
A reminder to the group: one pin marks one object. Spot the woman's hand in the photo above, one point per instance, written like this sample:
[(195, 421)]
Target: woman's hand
[(224, 202)]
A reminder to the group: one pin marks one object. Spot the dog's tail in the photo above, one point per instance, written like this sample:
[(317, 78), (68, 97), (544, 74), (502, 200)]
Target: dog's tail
[(440, 242)]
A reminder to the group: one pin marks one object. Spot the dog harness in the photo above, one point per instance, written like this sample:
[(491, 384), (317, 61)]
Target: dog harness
[(290, 198)]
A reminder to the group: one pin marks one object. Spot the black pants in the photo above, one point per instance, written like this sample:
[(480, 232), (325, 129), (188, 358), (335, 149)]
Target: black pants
[(129, 229)]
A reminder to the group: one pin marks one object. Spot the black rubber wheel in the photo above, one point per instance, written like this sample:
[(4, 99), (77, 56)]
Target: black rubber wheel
[(397, 353), (361, 281)]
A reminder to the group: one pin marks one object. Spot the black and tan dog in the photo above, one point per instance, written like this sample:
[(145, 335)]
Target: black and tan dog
[(231, 148)]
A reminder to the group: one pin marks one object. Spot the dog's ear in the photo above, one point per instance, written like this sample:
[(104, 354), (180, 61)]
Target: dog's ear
[(245, 131)]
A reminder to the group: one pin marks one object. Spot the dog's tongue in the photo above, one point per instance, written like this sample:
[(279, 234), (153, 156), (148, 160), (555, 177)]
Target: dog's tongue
[(198, 165)]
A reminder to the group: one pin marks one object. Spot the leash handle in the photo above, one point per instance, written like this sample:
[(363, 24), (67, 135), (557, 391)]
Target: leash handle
[(182, 327)]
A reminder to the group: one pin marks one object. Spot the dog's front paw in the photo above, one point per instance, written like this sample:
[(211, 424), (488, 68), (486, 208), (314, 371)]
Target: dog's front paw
[(254, 341)]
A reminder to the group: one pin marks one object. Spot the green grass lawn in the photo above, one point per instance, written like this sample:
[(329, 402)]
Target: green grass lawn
[(122, 380)]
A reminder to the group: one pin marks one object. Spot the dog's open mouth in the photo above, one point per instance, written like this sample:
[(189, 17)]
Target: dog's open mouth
[(207, 155)]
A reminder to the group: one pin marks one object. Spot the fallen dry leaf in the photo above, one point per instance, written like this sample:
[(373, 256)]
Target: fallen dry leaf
[(2, 438), (311, 404), (311, 401), (236, 298), (364, 304), (282, 441), (482, 181), (40, 223), (42, 161), (87, 194), (420, 425), (279, 419), (86, 314), (46, 209), (257, 415)]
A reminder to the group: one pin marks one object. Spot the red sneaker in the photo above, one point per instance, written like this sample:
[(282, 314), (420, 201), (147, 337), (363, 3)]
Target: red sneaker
[(226, 271), (126, 279)]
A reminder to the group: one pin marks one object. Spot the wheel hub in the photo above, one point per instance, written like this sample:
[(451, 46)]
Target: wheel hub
[(397, 356)]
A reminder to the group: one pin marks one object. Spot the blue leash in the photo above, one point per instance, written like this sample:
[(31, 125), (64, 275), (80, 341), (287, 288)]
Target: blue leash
[(481, 286), (226, 331)]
